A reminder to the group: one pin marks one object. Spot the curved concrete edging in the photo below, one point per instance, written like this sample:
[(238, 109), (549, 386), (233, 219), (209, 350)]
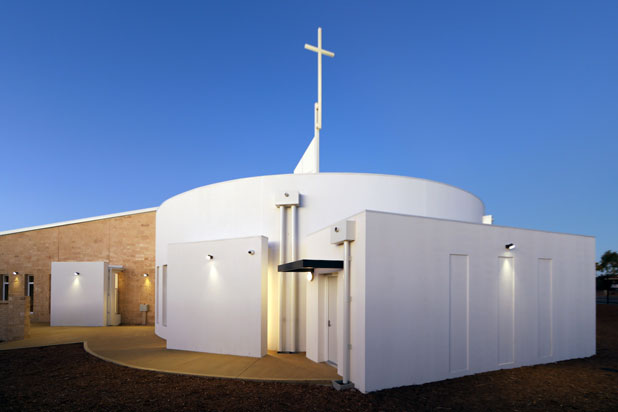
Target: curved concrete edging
[(138, 347), (46, 345), (204, 375)]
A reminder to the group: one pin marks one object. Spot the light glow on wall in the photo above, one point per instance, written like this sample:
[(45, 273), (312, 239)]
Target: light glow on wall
[(213, 273), (75, 284)]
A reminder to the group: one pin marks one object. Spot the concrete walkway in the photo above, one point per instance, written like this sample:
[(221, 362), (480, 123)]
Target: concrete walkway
[(138, 347)]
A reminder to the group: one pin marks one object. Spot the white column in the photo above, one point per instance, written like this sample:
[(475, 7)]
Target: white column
[(282, 253), (318, 125), (320, 78), (346, 312), (294, 301)]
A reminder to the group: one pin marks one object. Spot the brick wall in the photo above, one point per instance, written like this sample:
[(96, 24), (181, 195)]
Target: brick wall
[(4, 319), (15, 318), (125, 240)]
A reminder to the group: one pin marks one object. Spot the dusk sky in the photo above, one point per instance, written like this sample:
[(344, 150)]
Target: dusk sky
[(112, 106)]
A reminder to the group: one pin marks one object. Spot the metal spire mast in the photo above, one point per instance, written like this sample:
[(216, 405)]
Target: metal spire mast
[(318, 106)]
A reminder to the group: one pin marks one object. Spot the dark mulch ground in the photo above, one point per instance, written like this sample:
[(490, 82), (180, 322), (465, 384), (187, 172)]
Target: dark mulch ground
[(67, 378)]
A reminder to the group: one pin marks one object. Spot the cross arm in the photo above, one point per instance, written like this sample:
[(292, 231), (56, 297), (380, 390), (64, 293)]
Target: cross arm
[(321, 51)]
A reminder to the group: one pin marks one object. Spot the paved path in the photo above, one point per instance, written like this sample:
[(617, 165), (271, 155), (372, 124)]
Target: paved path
[(138, 347)]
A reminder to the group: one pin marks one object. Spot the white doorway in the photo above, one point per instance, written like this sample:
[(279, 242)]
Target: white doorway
[(332, 320)]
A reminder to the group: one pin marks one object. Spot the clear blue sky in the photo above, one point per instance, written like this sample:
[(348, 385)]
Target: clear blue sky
[(111, 106)]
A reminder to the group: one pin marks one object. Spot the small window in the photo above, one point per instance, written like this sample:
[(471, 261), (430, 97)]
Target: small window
[(30, 290), (5, 287), (164, 296), (157, 303)]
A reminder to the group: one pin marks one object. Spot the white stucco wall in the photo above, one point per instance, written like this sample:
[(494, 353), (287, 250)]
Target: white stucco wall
[(424, 321), (435, 294), (317, 246), (433, 299), (246, 207), (218, 305), (78, 300)]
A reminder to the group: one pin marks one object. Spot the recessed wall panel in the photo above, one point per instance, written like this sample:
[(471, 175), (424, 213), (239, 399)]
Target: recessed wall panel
[(459, 313), (545, 307), (506, 310)]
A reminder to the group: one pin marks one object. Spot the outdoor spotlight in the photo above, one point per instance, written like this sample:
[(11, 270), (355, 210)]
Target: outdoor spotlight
[(510, 246), (145, 275), (16, 273), (310, 276), (251, 252), (209, 257), (76, 274)]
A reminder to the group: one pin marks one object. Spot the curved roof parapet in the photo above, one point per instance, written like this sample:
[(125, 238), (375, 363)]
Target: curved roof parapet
[(325, 174)]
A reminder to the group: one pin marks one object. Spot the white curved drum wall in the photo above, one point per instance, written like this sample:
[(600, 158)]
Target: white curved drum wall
[(246, 207)]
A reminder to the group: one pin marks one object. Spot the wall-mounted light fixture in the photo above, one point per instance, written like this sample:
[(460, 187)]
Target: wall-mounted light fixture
[(145, 275), (310, 276), (16, 273), (251, 252), (510, 246), (209, 257), (76, 274)]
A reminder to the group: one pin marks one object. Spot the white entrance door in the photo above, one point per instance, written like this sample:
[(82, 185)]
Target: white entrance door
[(332, 319)]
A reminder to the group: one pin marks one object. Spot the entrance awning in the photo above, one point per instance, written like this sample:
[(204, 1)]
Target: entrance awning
[(309, 265)]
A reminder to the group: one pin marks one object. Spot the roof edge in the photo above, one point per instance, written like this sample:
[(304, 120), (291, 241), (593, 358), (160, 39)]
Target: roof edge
[(83, 220)]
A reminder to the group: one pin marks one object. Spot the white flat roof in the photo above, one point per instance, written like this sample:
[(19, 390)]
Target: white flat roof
[(72, 222)]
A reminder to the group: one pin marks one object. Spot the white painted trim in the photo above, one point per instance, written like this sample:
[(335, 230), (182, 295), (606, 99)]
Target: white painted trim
[(72, 222), (360, 212)]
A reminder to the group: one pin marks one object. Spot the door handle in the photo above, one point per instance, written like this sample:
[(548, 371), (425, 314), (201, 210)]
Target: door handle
[(329, 323)]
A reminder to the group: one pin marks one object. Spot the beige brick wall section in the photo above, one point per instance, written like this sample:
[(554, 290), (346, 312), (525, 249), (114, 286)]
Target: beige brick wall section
[(15, 313), (139, 249), (30, 253), (4, 319), (125, 240)]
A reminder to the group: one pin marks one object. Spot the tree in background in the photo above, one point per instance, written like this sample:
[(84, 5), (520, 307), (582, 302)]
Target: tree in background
[(608, 266), (608, 271)]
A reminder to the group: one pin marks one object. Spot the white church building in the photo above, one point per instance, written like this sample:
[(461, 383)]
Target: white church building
[(393, 280)]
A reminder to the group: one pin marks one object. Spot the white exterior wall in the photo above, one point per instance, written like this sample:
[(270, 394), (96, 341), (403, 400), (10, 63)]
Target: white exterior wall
[(246, 207), (218, 305), (78, 300), (422, 324), (430, 301), (318, 246)]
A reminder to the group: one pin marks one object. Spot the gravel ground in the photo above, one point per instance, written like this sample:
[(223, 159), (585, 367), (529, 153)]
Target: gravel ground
[(66, 378)]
